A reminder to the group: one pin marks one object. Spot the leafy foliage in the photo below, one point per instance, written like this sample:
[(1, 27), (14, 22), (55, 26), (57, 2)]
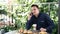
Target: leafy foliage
[(22, 9)]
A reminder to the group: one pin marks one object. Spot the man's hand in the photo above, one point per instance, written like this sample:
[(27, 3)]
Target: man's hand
[(29, 16), (42, 29)]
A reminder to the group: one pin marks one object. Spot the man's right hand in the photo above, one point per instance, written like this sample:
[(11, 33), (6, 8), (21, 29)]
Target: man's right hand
[(42, 29), (29, 16)]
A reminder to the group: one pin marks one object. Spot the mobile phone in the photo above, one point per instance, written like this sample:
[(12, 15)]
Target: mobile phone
[(31, 13)]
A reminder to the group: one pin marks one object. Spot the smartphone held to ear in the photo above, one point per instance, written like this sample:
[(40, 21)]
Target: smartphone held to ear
[(31, 13)]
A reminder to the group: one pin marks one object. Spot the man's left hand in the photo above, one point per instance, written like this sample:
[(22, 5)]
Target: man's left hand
[(43, 29)]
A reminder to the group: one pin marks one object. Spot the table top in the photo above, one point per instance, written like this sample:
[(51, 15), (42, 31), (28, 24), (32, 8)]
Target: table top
[(16, 32)]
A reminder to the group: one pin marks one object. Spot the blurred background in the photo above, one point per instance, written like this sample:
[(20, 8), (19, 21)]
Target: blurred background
[(13, 13)]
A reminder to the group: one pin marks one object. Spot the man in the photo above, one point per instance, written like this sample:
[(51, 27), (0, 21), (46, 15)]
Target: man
[(43, 21)]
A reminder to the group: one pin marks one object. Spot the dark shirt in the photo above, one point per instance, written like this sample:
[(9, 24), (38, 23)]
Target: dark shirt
[(42, 21)]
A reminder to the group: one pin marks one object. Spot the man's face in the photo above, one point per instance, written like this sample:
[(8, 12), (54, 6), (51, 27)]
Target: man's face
[(35, 10)]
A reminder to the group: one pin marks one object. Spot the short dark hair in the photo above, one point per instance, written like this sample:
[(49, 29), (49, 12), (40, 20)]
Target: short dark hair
[(35, 5)]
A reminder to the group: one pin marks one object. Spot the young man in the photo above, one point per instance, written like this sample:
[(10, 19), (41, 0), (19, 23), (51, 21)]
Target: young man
[(43, 21)]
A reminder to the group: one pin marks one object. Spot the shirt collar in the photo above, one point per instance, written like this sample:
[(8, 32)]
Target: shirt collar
[(38, 15)]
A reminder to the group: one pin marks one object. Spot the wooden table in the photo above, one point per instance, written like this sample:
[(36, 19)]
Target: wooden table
[(17, 32), (31, 32)]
